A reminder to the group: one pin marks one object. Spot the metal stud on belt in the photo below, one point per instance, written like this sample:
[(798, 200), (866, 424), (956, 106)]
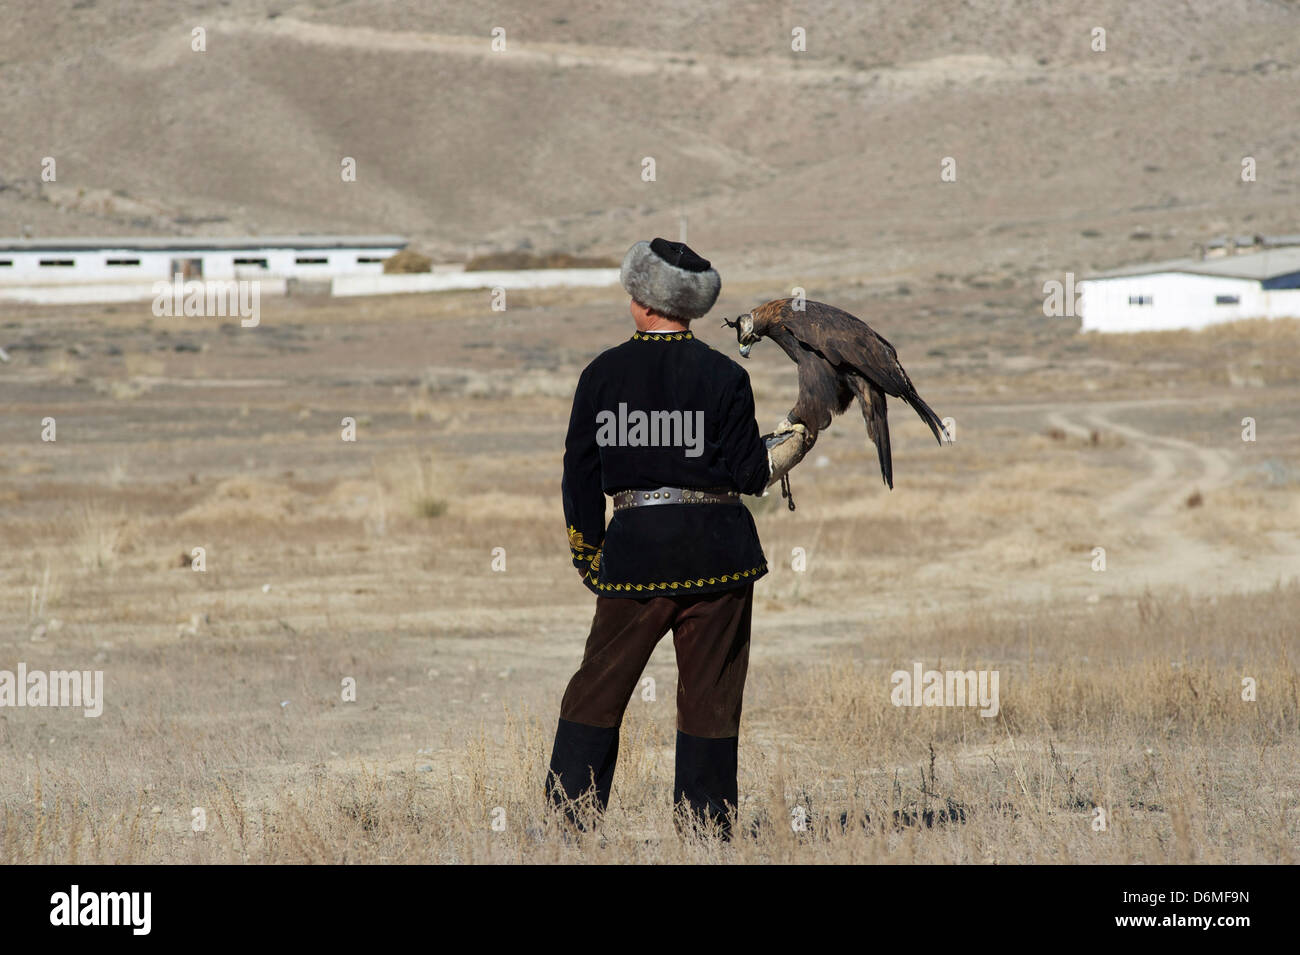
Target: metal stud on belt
[(673, 495)]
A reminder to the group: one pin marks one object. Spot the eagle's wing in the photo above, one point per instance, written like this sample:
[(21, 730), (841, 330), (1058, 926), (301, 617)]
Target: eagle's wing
[(822, 392), (854, 348)]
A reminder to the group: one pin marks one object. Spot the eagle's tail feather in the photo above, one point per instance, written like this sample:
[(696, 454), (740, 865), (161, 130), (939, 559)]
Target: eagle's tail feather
[(926, 412)]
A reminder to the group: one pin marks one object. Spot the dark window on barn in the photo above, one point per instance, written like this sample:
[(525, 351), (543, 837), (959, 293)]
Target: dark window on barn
[(1227, 300), (121, 261), (1141, 300), (5, 263), (369, 259), (57, 263), (311, 260), (261, 263), (188, 268)]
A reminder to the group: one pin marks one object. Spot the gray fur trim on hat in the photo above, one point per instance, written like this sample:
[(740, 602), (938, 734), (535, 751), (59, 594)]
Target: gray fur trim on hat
[(658, 284)]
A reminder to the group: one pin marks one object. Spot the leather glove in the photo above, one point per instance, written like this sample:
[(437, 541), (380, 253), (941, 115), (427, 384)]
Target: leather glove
[(786, 447)]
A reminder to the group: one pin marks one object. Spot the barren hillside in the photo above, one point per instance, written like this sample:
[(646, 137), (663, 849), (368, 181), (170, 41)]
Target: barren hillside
[(824, 162)]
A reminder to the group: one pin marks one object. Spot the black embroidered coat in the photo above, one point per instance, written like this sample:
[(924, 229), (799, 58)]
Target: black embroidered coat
[(663, 410)]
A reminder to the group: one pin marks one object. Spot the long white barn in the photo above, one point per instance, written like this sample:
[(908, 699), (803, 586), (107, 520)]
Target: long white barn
[(1193, 292), (107, 269)]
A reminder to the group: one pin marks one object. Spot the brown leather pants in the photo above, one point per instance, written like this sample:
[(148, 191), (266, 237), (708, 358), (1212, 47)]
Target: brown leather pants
[(711, 636)]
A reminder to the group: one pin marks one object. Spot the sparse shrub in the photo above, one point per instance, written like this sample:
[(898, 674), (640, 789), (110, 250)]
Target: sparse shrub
[(405, 261), (430, 507), (512, 261)]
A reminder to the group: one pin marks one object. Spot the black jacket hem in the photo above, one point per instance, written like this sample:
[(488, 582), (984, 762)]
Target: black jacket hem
[(673, 588)]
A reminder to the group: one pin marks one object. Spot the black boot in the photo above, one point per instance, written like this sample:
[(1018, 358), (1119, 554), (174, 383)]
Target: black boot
[(581, 752), (706, 778)]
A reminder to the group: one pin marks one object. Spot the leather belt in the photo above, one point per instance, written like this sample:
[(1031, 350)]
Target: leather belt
[(672, 495)]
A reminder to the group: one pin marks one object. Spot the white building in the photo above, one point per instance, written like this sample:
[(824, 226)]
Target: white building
[(117, 269), (1195, 292)]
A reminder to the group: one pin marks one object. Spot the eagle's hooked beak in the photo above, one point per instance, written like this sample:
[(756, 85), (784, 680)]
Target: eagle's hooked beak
[(744, 326)]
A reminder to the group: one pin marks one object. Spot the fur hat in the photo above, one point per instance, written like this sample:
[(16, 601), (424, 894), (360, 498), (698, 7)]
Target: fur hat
[(670, 278)]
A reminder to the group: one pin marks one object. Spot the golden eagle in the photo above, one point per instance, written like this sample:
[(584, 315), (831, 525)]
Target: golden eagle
[(839, 357)]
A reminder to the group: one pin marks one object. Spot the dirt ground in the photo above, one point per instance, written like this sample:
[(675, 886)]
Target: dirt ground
[(373, 561)]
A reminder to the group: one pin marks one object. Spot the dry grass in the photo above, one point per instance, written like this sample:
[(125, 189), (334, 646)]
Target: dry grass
[(99, 532), (374, 561), (1136, 709)]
